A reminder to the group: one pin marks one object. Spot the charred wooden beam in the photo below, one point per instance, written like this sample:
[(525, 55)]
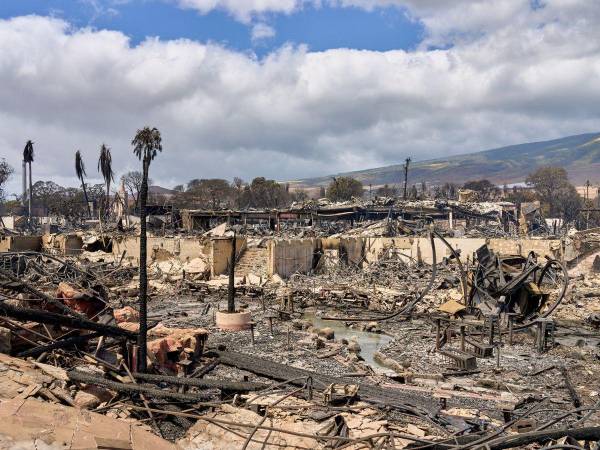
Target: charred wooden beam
[(130, 388), (227, 385), (40, 316), (201, 371), (524, 439), (409, 403), (572, 392), (63, 343), (64, 308)]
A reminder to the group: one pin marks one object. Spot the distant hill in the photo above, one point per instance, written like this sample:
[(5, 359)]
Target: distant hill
[(158, 190), (579, 155)]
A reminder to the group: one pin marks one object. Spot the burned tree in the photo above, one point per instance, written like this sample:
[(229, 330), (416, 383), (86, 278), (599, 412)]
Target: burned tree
[(27, 160), (5, 172), (146, 145), (80, 171), (105, 168)]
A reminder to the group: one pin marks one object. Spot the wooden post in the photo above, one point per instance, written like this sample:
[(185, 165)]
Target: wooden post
[(231, 289)]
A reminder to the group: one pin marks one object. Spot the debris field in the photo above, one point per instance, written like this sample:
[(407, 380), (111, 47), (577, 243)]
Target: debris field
[(385, 334)]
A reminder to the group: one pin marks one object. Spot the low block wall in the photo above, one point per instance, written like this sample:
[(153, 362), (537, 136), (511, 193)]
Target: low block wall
[(20, 243), (184, 249), (287, 256), (220, 254), (421, 249)]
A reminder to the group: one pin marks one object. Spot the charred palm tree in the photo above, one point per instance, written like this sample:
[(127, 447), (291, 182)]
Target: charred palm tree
[(146, 145), (105, 168), (80, 171), (28, 159)]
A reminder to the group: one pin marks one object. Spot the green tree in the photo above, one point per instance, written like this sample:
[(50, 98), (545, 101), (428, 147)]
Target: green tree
[(557, 195), (519, 195), (485, 189), (386, 191), (146, 145), (264, 193), (344, 188), (211, 193)]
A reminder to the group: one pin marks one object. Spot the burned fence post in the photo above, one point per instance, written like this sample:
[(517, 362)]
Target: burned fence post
[(231, 287), (438, 332)]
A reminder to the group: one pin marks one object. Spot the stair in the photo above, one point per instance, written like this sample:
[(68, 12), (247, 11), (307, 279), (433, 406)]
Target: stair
[(253, 260)]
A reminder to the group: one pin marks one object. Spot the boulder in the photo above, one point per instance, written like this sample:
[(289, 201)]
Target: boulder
[(327, 332)]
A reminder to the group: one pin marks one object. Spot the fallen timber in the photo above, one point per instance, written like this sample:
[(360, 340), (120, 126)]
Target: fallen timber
[(226, 385), (50, 318), (72, 341), (423, 407), (62, 307), (518, 441), (131, 388)]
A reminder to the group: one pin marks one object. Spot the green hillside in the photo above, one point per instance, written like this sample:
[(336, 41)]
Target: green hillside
[(579, 155)]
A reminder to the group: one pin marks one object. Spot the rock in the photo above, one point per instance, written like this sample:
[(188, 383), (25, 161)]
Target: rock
[(596, 264), (327, 333), (127, 314), (297, 324), (373, 327), (5, 340), (354, 347), (319, 343), (91, 396)]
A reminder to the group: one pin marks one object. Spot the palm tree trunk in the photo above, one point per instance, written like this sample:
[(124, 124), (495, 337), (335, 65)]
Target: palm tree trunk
[(30, 192), (143, 300), (87, 202), (24, 199), (107, 202)]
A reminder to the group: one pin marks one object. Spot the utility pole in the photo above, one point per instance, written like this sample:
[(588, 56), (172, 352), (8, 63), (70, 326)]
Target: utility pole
[(587, 190), (587, 203), (406, 164)]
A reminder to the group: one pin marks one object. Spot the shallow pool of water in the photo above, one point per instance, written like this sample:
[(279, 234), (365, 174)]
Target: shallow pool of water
[(369, 342)]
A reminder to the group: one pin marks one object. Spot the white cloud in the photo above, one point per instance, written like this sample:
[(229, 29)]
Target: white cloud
[(295, 113), (243, 10), (262, 31)]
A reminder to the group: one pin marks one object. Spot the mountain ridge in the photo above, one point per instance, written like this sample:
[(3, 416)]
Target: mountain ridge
[(578, 154)]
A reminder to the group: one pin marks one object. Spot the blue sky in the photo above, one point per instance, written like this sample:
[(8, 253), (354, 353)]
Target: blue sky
[(320, 28)]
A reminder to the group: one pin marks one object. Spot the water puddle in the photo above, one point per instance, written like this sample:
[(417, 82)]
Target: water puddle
[(369, 342)]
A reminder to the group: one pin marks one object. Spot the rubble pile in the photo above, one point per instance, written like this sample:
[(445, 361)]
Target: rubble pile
[(437, 348)]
